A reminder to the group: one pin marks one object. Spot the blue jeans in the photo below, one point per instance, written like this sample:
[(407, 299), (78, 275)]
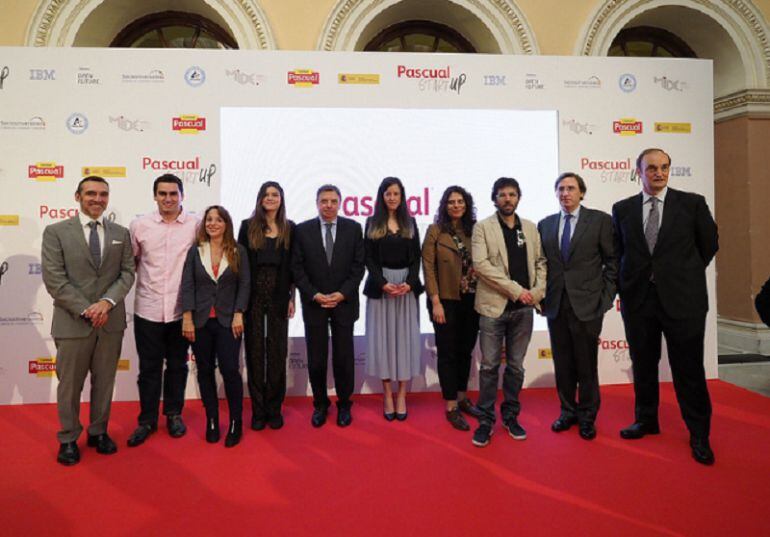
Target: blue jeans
[(514, 329)]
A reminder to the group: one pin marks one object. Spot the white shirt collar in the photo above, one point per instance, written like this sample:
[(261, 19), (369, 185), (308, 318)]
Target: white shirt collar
[(661, 196), (85, 219), (574, 213)]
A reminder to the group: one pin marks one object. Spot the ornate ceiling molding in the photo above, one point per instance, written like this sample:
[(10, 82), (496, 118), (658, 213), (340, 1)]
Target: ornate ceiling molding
[(754, 103)]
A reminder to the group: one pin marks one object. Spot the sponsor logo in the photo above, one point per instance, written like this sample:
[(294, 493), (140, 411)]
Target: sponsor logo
[(357, 78), (430, 73), (156, 76), (9, 219), (611, 171), (243, 78), (592, 82), (673, 128), (195, 76), (77, 123), (494, 80), (544, 354), (669, 84), (32, 318), (3, 270), (45, 212), (577, 127), (364, 205), (35, 123), (43, 366), (188, 124), (45, 171), (123, 364), (296, 361), (627, 126), (611, 344), (108, 172), (84, 77), (34, 268), (303, 78), (190, 171), (532, 82), (680, 171), (42, 74), (437, 79), (125, 124), (627, 82), (4, 72)]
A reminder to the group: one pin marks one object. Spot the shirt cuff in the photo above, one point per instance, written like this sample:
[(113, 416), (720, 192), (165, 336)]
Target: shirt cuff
[(108, 299)]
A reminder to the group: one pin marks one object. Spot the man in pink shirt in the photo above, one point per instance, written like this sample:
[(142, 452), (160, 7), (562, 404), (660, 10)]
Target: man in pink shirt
[(160, 240)]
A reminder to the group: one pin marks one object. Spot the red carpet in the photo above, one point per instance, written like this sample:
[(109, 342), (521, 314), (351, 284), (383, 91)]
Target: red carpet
[(420, 477)]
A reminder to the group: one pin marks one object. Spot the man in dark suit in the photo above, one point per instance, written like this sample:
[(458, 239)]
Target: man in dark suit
[(665, 239), (582, 269), (88, 268), (328, 264)]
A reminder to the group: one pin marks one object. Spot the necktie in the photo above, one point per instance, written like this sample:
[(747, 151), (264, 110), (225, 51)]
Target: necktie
[(565, 236), (329, 242), (93, 243), (653, 224)]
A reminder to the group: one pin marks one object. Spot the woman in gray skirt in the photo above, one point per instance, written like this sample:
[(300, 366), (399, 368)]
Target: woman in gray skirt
[(392, 321)]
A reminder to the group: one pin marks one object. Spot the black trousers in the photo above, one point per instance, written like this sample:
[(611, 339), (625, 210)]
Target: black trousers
[(575, 361), (343, 365), (156, 342), (684, 339), (215, 346), (455, 341), (266, 335)]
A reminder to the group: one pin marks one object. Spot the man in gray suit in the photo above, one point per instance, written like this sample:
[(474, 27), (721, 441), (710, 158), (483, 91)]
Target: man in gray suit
[(88, 268), (580, 288)]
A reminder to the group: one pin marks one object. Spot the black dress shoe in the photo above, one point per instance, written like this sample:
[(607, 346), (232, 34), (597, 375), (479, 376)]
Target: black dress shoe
[(701, 450), (344, 417), (140, 434), (318, 418), (457, 420), (234, 433), (69, 454), (587, 431), (275, 422), (638, 429), (563, 423), (466, 406), (175, 426), (103, 444), (257, 423), (212, 430)]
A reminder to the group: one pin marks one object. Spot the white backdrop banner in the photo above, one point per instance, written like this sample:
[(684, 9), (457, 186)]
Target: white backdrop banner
[(225, 121)]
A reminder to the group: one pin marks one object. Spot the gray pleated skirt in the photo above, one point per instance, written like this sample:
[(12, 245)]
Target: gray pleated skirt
[(393, 333)]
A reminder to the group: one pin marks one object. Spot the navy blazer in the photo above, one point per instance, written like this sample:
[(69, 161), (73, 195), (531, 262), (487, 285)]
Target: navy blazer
[(228, 294)]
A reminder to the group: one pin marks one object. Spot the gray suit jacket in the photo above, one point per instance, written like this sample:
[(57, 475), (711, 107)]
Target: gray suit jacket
[(590, 274), (74, 282)]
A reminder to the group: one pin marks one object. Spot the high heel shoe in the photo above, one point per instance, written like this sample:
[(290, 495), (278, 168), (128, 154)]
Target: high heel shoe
[(234, 433), (389, 416), (212, 430), (400, 416)]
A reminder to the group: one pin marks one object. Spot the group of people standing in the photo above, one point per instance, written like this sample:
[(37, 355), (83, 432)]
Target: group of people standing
[(198, 284)]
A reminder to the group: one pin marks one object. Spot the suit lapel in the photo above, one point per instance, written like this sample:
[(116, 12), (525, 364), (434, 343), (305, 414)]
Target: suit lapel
[(80, 238), (580, 228), (669, 216), (337, 241), (636, 219), (497, 233)]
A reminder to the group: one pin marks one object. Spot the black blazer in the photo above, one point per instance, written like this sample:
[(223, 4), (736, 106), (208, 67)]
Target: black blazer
[(589, 275), (312, 274), (375, 280), (687, 242), (282, 291), (230, 293)]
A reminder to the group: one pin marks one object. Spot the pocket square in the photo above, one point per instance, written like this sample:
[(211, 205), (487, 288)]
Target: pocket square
[(117, 242)]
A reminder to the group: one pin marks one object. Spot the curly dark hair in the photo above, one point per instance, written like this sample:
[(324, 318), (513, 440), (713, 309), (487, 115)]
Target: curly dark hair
[(442, 219)]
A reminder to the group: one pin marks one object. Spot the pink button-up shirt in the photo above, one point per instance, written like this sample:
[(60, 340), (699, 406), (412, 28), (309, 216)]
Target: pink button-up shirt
[(160, 249)]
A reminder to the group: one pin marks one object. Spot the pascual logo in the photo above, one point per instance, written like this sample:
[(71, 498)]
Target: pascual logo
[(627, 82), (243, 78), (43, 366), (494, 80), (84, 77), (673, 128), (627, 126), (126, 124), (364, 205), (669, 84), (32, 318), (357, 78), (108, 172), (592, 82), (434, 79), (35, 123), (195, 76), (155, 76), (45, 171), (9, 219), (77, 123), (544, 354), (303, 78), (578, 127), (190, 170), (431, 73), (188, 124), (618, 348), (532, 82), (56, 213), (42, 74), (4, 72), (611, 171)]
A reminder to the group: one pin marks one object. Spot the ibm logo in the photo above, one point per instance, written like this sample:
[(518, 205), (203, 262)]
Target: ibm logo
[(42, 74)]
